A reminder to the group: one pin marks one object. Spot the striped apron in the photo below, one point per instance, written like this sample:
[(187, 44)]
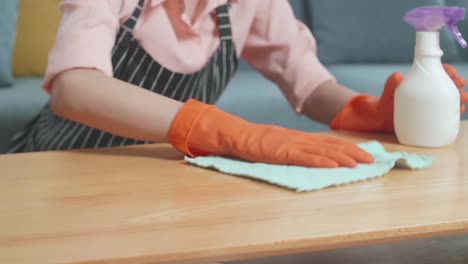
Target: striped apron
[(132, 64)]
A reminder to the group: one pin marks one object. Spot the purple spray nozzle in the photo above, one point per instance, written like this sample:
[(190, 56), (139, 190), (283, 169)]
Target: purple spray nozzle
[(432, 18)]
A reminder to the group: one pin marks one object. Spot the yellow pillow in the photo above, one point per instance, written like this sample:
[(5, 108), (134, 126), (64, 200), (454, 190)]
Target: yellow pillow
[(36, 30)]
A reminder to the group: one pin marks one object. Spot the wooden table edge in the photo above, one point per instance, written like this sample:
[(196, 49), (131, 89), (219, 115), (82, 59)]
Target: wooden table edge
[(301, 246)]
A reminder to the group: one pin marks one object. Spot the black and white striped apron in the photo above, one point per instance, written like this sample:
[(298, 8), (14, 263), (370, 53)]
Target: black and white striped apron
[(132, 64)]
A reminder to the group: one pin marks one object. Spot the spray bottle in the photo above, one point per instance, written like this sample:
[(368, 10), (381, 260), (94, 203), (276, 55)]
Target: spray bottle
[(427, 102)]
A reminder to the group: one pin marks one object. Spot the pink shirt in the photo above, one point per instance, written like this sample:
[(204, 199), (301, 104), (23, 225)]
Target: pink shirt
[(265, 33)]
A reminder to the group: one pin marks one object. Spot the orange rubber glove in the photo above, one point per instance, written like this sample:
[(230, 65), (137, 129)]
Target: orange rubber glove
[(366, 113), (200, 130)]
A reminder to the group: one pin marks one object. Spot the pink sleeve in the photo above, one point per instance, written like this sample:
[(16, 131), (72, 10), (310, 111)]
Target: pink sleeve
[(85, 37), (284, 51)]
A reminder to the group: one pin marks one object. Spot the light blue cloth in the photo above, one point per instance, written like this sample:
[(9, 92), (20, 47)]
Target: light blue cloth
[(8, 17), (308, 179)]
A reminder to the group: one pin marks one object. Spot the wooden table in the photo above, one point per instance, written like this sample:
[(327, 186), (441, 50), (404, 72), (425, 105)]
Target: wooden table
[(143, 205)]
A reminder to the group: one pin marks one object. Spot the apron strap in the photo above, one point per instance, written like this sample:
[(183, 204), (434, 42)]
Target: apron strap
[(224, 22), (131, 22)]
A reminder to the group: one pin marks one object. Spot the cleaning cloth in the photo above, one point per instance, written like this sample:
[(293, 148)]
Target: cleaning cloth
[(303, 179)]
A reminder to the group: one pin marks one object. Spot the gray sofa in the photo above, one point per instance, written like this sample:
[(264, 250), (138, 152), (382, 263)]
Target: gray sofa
[(360, 41)]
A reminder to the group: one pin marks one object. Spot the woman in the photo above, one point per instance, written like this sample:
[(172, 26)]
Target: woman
[(128, 72)]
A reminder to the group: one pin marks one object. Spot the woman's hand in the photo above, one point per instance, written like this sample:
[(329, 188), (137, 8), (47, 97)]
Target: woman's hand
[(199, 130), (367, 113)]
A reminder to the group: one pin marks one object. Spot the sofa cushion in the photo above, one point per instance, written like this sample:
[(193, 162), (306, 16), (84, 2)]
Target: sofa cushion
[(252, 97), (8, 14), (249, 95), (19, 104), (37, 26), (369, 31)]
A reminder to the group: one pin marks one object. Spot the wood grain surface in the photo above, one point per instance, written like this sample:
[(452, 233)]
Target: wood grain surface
[(143, 204)]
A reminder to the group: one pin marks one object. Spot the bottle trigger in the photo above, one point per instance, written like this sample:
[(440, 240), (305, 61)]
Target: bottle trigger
[(452, 26)]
